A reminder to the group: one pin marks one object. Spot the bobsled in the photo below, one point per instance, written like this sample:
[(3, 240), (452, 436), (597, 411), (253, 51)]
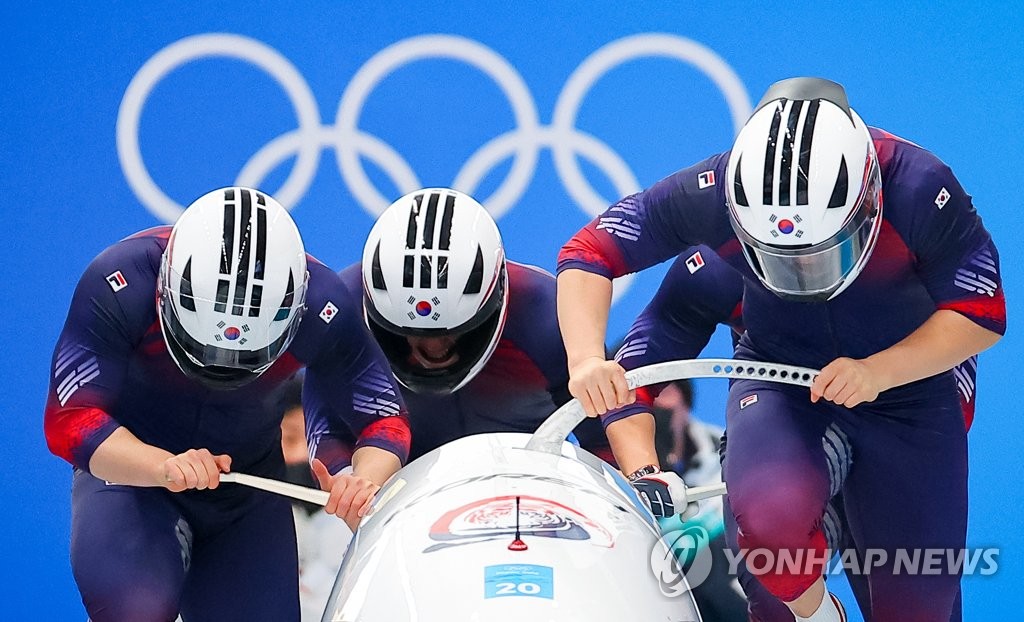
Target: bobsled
[(485, 529), (509, 527)]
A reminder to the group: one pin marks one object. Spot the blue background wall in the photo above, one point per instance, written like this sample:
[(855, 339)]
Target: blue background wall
[(947, 76)]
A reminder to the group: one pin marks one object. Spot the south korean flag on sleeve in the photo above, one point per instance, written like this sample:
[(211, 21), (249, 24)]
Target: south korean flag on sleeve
[(328, 312)]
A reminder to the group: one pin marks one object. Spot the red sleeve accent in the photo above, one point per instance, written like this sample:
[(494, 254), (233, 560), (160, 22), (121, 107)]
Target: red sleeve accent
[(645, 396), (592, 251), (161, 232), (69, 431), (736, 318), (967, 407), (388, 433), (729, 249), (644, 403), (986, 311)]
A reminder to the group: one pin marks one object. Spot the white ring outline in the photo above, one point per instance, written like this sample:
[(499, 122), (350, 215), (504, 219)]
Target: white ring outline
[(524, 143), (424, 47), (195, 48), (610, 56)]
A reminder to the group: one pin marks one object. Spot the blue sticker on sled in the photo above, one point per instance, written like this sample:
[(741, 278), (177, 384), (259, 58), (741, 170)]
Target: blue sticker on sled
[(519, 580)]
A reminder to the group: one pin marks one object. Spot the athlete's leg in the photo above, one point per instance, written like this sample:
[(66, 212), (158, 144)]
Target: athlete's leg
[(907, 493), (248, 569), (129, 551), (782, 464), (762, 605), (850, 558)]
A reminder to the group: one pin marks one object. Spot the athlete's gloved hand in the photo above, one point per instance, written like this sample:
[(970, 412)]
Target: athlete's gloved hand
[(664, 493)]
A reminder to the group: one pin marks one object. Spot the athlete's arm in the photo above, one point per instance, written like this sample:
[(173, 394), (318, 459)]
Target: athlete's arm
[(699, 292), (583, 302), (944, 341), (632, 441), (124, 459), (381, 449), (349, 391), (375, 464), (637, 232), (959, 265)]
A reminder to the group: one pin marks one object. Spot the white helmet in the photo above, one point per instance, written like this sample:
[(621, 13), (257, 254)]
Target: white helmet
[(434, 266), (232, 287), (804, 190)]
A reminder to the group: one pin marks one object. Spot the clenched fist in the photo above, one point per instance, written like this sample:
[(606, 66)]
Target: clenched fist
[(847, 382), (194, 469), (599, 385)]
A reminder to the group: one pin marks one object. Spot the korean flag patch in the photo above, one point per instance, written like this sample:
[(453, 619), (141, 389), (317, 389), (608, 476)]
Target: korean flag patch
[(328, 312)]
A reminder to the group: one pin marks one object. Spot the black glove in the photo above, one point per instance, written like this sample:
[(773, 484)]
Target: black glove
[(664, 493)]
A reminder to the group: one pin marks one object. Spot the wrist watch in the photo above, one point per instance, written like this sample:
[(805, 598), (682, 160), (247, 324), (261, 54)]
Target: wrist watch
[(648, 469)]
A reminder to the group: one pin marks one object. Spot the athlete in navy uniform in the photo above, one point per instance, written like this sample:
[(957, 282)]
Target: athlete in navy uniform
[(471, 336), (699, 292), (177, 344), (864, 258)]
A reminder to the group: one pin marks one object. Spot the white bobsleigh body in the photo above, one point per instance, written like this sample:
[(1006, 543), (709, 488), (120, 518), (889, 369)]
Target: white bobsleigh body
[(438, 543)]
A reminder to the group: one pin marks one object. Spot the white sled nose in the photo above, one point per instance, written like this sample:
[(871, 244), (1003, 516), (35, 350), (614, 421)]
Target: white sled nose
[(440, 543)]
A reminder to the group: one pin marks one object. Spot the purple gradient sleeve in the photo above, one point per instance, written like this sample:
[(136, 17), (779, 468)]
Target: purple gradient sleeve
[(348, 390), (644, 229), (699, 292), (954, 253), (112, 306)]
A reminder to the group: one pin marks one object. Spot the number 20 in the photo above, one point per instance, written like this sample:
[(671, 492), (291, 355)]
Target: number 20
[(509, 589)]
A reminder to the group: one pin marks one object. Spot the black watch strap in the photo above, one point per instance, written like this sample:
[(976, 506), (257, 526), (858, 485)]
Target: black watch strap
[(648, 469)]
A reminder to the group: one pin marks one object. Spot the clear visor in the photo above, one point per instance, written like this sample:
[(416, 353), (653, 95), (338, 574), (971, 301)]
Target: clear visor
[(210, 355), (819, 270)]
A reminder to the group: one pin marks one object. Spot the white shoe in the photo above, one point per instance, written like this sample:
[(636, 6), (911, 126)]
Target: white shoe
[(839, 606)]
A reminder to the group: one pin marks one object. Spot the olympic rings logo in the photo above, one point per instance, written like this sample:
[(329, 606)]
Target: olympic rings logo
[(523, 144)]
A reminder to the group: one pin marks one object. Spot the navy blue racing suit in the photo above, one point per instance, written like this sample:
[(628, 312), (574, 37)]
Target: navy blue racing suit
[(224, 554)]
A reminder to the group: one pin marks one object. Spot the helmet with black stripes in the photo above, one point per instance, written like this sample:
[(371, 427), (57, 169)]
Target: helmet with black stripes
[(804, 190), (435, 288), (232, 287)]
